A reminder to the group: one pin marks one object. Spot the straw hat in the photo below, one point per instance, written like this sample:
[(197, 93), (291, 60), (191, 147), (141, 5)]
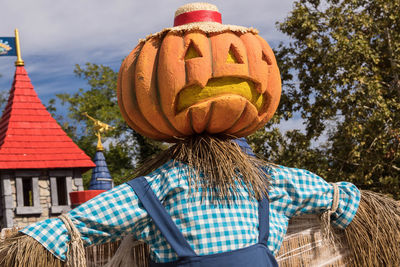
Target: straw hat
[(200, 16)]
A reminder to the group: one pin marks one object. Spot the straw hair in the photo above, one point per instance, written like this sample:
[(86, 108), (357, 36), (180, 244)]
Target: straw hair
[(195, 6), (217, 166)]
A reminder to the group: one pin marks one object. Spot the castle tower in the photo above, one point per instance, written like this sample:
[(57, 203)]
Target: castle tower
[(39, 163), (101, 177)]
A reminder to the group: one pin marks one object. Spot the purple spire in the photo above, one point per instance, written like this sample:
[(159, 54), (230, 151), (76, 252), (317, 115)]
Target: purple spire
[(101, 178)]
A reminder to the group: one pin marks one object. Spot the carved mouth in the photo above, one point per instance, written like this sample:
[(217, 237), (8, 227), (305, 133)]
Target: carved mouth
[(215, 87)]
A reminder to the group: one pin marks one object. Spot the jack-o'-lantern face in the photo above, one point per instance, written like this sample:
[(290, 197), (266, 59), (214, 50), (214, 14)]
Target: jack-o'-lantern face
[(195, 83)]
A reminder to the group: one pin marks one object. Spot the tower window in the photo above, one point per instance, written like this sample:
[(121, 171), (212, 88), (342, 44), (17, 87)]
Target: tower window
[(27, 192), (60, 185), (28, 199), (62, 191)]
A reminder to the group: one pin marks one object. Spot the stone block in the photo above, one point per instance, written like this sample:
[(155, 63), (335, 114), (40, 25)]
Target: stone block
[(6, 187), (45, 212), (27, 211), (43, 183), (32, 219), (8, 218), (9, 202), (44, 191), (14, 198)]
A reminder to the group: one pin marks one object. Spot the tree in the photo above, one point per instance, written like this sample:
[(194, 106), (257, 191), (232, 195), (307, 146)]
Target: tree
[(340, 72), (124, 147), (3, 97)]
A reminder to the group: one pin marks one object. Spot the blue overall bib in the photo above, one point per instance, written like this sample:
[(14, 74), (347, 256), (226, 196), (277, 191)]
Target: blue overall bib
[(257, 255)]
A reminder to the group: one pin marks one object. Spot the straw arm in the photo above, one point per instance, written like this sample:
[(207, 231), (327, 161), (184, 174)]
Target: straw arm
[(374, 234), (19, 250)]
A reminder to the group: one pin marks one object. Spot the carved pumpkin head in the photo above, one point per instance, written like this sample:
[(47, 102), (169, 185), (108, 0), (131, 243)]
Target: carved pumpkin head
[(202, 77)]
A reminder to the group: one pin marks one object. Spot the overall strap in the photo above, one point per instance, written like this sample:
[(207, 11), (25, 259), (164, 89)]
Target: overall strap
[(263, 204), (263, 220), (160, 217)]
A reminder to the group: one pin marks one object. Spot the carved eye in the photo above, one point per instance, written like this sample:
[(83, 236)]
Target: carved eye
[(234, 56), (266, 58), (192, 51)]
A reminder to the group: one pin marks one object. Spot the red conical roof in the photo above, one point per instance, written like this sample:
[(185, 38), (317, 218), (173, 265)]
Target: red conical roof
[(30, 138)]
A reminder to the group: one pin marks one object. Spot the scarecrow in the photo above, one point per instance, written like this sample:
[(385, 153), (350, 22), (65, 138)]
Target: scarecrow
[(205, 201)]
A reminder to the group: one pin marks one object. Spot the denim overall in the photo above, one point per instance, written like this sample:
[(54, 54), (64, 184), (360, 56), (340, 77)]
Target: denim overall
[(257, 255)]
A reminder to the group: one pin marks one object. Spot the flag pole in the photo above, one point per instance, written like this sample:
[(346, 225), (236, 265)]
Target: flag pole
[(19, 61)]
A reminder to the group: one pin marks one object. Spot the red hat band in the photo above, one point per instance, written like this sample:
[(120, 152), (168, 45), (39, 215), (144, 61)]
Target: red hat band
[(197, 16)]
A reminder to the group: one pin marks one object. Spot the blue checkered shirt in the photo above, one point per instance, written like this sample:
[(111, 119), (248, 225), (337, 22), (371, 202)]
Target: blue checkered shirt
[(209, 228)]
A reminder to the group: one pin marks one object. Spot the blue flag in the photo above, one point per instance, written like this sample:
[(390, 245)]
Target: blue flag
[(7, 46)]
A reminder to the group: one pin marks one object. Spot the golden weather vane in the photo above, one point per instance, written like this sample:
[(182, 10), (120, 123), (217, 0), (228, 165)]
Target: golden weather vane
[(99, 127)]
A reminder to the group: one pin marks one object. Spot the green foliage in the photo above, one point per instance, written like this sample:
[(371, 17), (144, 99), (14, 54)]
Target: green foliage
[(341, 74), (3, 97), (123, 146)]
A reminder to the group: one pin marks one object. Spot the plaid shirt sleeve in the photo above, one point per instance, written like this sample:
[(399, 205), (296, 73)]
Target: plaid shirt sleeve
[(296, 191), (104, 218)]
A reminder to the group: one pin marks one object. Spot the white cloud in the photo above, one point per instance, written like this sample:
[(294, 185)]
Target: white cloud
[(294, 123), (56, 35), (79, 27)]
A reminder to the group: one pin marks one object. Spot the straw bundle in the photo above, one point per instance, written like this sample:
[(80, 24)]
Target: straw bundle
[(131, 253), (373, 236), (371, 239), (305, 245), (18, 250)]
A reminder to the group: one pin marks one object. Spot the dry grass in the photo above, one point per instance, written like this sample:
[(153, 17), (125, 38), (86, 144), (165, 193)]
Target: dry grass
[(218, 167), (130, 253), (373, 236), (305, 245), (18, 250)]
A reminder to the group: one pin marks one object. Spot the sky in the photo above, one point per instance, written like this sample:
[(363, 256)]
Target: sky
[(56, 35)]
